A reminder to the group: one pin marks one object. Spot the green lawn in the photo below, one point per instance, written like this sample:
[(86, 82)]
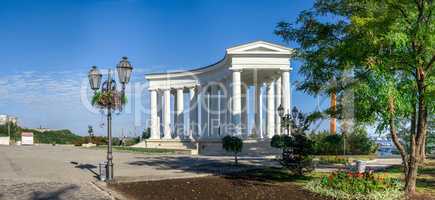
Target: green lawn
[(340, 159), (425, 180)]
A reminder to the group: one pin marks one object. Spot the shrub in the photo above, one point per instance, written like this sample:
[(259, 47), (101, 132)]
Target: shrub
[(295, 152), (55, 136), (342, 185), (132, 141), (232, 144), (277, 141), (79, 142), (146, 133), (357, 143)]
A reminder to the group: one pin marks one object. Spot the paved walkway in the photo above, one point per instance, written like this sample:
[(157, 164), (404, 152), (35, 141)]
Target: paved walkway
[(60, 172)]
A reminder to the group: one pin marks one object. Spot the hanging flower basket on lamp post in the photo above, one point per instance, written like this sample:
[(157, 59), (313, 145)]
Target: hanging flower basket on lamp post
[(110, 99)]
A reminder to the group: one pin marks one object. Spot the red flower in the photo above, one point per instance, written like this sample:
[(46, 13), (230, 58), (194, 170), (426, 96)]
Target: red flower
[(330, 177)]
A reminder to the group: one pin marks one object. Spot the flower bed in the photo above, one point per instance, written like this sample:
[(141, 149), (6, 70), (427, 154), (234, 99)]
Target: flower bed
[(358, 186)]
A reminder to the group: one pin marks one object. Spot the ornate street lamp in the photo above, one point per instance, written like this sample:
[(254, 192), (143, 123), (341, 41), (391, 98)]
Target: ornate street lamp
[(95, 78), (110, 99), (286, 118)]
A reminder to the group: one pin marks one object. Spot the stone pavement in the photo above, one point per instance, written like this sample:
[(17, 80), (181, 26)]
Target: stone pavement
[(378, 164), (38, 190), (61, 172)]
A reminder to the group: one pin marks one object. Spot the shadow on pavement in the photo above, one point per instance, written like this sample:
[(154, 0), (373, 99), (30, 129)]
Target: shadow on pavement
[(201, 164), (53, 195), (88, 167)]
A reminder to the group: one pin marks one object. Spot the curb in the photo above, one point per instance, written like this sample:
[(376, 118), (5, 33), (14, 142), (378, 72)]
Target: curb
[(102, 187)]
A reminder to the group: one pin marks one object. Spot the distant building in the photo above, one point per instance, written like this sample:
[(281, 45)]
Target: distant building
[(26, 138), (42, 129), (3, 119), (8, 118)]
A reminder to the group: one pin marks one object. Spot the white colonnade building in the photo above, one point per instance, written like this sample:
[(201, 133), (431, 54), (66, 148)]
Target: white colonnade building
[(200, 106)]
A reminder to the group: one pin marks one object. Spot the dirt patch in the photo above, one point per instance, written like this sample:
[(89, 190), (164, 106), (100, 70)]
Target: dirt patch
[(424, 196), (212, 187)]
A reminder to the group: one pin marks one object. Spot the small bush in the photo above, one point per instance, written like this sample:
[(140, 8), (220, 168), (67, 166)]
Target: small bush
[(146, 133), (79, 142), (232, 144), (356, 143), (360, 186), (296, 152)]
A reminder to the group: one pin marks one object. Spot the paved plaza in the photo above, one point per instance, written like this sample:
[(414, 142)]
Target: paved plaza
[(63, 172), (60, 172)]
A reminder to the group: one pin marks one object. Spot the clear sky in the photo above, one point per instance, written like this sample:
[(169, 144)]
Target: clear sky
[(47, 47)]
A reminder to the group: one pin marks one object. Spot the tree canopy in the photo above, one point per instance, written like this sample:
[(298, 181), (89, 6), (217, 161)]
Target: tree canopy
[(387, 49)]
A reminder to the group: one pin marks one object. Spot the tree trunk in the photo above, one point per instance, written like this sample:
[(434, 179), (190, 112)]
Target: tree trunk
[(411, 176), (423, 151), (417, 139), (393, 133)]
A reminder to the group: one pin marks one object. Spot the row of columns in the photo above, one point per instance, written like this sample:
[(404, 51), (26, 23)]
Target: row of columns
[(277, 91)]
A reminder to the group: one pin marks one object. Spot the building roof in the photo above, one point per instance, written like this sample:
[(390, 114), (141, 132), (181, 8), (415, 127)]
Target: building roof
[(252, 48)]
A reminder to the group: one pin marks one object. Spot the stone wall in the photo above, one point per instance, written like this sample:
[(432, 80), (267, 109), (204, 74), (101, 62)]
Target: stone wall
[(4, 141), (211, 147)]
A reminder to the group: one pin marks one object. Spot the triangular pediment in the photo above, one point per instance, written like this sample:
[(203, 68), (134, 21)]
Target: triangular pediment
[(259, 47)]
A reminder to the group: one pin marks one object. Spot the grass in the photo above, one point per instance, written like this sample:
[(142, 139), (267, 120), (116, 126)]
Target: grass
[(349, 157), (140, 150), (425, 178)]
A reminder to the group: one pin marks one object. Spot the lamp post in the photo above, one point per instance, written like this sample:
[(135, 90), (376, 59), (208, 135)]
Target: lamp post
[(110, 100), (286, 119)]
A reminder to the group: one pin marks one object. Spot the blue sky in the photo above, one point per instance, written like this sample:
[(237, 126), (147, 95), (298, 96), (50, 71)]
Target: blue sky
[(48, 46)]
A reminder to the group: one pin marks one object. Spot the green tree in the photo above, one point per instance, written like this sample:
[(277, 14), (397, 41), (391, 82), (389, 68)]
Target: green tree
[(91, 133), (232, 144), (283, 142), (299, 121), (146, 133), (296, 151), (388, 46)]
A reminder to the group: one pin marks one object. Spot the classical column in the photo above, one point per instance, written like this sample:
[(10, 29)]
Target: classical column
[(160, 113), (236, 112), (244, 116), (193, 112), (214, 111), (270, 109), (285, 78), (179, 125), (155, 134), (208, 98), (277, 104), (204, 112), (223, 109), (228, 118), (258, 111), (174, 114), (167, 114)]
